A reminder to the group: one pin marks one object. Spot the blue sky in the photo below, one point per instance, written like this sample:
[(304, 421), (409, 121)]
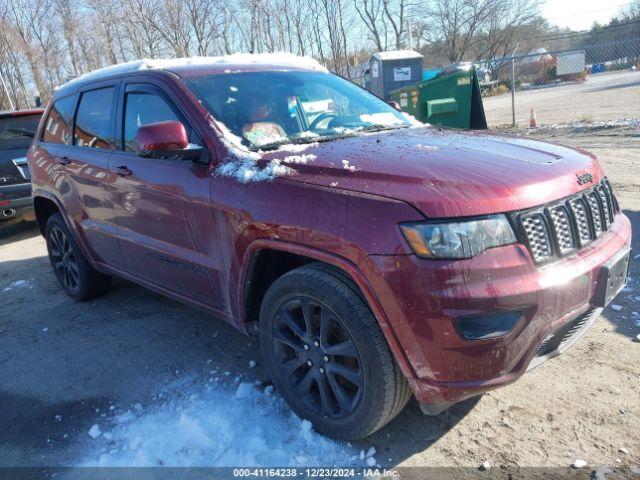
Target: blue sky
[(580, 14)]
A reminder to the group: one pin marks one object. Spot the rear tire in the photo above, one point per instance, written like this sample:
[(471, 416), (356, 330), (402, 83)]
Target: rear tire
[(325, 353), (74, 273)]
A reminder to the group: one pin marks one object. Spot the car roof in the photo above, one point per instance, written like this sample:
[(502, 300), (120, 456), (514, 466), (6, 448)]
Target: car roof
[(194, 66), (20, 113)]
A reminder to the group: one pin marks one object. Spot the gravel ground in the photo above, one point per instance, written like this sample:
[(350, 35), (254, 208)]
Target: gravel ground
[(602, 97), (68, 366)]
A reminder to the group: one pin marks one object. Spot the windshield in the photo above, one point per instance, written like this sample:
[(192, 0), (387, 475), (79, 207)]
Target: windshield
[(267, 109), (18, 131)]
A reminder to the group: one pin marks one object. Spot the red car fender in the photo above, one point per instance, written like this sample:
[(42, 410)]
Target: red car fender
[(345, 265)]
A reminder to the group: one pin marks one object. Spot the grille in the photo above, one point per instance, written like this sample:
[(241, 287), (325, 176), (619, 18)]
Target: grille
[(557, 229)]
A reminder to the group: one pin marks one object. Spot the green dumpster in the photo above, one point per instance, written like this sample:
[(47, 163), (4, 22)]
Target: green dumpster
[(451, 100)]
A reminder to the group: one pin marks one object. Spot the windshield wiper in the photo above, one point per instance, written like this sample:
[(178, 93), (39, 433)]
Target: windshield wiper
[(381, 128), (348, 132), (287, 141)]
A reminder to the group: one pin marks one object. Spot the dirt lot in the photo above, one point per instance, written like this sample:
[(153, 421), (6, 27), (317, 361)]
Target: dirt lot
[(602, 97), (68, 367)]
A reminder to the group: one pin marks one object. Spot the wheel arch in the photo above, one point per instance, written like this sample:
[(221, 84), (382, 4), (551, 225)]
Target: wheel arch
[(46, 204), (252, 290)]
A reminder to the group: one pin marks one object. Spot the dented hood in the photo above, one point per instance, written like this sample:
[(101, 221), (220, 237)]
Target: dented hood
[(446, 173)]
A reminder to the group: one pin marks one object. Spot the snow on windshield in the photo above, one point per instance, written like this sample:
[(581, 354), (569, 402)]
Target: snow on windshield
[(268, 109), (242, 163)]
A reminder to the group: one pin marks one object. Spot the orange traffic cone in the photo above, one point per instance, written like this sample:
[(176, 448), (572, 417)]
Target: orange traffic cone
[(533, 123)]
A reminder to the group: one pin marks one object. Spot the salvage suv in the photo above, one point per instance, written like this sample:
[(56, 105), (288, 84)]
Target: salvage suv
[(375, 258)]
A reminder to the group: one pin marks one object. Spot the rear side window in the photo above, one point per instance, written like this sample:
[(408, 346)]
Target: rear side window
[(57, 128), (94, 119), (18, 131), (142, 109)]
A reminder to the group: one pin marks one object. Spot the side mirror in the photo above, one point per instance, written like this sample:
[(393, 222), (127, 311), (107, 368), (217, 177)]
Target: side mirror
[(395, 105), (166, 140)]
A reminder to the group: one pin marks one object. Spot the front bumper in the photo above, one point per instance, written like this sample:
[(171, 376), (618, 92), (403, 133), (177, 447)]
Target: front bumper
[(16, 201), (423, 300)]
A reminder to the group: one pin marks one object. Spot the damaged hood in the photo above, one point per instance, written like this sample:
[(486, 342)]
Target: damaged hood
[(445, 173)]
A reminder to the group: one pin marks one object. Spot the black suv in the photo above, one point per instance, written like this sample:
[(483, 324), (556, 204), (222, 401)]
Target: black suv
[(17, 129)]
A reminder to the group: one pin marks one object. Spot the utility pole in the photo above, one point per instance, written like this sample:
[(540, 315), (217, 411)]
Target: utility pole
[(6, 91), (513, 85), (409, 34)]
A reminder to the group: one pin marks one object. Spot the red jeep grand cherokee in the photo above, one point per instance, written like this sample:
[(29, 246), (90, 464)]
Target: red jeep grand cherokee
[(375, 258)]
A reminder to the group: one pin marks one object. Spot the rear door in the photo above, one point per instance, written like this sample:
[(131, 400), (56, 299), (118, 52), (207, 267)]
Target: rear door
[(167, 233), (87, 190)]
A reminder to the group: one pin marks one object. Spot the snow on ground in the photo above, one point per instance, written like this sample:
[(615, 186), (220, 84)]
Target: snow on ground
[(17, 284), (223, 424)]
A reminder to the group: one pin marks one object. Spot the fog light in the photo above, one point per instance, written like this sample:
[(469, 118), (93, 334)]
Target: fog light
[(492, 325)]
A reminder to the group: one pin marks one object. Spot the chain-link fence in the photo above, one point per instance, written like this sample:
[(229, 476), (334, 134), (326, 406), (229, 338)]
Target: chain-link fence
[(590, 84)]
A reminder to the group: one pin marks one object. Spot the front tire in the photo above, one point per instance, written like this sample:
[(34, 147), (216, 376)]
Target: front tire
[(74, 273), (326, 354)]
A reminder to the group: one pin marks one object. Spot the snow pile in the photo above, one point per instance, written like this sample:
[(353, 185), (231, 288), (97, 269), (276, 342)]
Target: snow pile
[(428, 148), (247, 170), (17, 284), (632, 123), (280, 59), (221, 426), (297, 148), (299, 158), (347, 166), (579, 463), (95, 432)]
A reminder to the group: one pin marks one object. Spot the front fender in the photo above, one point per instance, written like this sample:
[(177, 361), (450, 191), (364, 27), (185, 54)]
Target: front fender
[(349, 268)]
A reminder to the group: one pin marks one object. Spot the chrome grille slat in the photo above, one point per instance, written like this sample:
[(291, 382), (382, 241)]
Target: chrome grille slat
[(604, 201), (594, 208), (563, 227), (579, 211), (538, 236)]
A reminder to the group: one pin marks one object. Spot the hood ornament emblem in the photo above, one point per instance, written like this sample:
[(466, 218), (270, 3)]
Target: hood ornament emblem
[(584, 178)]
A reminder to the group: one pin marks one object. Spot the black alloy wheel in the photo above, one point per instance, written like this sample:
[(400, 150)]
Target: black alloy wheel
[(77, 277), (318, 357), (63, 260), (326, 354)]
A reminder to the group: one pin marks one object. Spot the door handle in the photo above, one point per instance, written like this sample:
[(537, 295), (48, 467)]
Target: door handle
[(122, 170), (63, 160)]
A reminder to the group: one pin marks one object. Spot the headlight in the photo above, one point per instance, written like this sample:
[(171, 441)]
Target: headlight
[(464, 239)]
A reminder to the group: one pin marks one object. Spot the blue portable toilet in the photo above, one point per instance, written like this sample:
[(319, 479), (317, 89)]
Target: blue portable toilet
[(392, 70)]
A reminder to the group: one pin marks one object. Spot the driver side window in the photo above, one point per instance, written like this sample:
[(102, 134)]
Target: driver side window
[(142, 109)]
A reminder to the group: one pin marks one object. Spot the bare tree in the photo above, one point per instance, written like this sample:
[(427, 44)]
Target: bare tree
[(631, 11), (396, 11), (457, 24), (371, 13)]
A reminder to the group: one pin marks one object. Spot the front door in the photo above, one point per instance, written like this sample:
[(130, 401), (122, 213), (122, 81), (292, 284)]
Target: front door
[(167, 234)]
